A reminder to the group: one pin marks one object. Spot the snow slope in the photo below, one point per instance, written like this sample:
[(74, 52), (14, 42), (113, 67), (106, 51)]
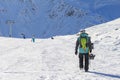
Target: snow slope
[(54, 59), (46, 18)]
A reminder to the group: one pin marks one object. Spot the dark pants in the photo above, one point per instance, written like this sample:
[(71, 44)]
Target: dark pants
[(84, 58)]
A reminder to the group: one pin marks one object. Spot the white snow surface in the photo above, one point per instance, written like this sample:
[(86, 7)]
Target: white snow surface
[(54, 59)]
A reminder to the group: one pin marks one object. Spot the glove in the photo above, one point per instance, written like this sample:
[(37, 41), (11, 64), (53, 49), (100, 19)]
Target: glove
[(75, 52)]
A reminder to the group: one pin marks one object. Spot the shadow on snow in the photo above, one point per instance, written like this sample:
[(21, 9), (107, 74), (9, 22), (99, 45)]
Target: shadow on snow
[(105, 74)]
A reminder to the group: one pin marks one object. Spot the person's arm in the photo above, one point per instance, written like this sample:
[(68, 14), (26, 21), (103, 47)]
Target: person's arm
[(76, 47)]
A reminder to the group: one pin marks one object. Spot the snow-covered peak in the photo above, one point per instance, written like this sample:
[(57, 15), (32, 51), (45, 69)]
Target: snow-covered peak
[(46, 18)]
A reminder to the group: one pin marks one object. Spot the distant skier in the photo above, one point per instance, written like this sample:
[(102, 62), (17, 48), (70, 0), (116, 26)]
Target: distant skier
[(33, 38), (23, 35), (83, 44), (52, 37)]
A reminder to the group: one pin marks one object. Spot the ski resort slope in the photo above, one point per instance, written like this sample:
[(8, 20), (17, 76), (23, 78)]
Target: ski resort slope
[(54, 59)]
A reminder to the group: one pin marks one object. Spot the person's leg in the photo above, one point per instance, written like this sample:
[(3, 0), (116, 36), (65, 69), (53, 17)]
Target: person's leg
[(81, 61), (86, 62)]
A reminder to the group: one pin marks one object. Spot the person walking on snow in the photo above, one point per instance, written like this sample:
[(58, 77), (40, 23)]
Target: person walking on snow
[(83, 45), (33, 38), (23, 35)]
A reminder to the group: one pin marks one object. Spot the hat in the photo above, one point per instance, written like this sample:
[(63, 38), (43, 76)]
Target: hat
[(82, 30)]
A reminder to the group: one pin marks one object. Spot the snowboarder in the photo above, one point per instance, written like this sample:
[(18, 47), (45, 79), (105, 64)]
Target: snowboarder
[(83, 44)]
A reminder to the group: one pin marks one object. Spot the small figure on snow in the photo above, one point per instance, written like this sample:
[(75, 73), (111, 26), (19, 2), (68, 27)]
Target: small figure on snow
[(52, 37), (33, 38), (23, 35)]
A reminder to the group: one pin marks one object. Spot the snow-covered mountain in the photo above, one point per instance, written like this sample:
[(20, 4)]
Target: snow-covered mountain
[(46, 18), (54, 59)]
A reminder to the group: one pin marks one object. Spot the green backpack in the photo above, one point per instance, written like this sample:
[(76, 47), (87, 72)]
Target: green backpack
[(84, 41)]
